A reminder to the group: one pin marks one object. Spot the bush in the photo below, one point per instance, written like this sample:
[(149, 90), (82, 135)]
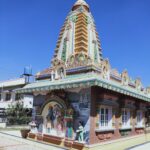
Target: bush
[(18, 121), (17, 114)]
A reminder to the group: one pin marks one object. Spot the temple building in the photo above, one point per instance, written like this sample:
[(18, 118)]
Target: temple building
[(80, 98)]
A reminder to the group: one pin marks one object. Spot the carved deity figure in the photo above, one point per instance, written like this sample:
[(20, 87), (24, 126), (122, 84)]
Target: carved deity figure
[(148, 90), (78, 59), (106, 69), (138, 84), (58, 70), (125, 78)]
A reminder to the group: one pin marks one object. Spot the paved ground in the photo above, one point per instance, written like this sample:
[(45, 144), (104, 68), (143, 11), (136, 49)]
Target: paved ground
[(16, 133), (8, 142), (142, 147)]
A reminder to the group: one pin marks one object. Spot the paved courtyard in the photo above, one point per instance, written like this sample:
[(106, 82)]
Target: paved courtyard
[(142, 147), (13, 143), (7, 144), (11, 140)]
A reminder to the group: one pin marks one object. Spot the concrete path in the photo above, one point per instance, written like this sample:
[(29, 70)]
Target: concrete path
[(16, 133), (142, 147), (9, 142)]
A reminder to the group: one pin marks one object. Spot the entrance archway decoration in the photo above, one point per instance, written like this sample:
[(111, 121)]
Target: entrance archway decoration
[(53, 112)]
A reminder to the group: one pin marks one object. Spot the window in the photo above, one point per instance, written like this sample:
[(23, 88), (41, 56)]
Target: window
[(8, 96), (105, 117), (139, 118), (17, 97), (125, 118)]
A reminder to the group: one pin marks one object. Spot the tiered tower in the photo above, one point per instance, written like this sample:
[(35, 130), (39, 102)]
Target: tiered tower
[(78, 47)]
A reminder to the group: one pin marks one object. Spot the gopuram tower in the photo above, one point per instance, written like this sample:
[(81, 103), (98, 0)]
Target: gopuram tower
[(78, 47)]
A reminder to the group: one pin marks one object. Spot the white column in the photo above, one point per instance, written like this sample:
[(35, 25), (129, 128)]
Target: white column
[(13, 96), (128, 116), (3, 97), (110, 117)]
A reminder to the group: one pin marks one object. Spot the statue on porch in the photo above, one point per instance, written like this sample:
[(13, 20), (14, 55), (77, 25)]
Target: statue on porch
[(69, 123), (33, 127), (80, 133)]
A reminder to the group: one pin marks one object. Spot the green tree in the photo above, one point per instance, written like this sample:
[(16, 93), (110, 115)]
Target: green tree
[(17, 114)]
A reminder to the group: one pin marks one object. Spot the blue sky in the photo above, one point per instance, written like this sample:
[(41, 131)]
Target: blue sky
[(29, 30)]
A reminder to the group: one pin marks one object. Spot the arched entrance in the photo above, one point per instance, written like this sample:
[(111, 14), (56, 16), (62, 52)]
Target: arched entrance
[(53, 117)]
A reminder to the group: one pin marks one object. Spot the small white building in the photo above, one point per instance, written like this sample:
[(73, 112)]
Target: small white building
[(8, 95)]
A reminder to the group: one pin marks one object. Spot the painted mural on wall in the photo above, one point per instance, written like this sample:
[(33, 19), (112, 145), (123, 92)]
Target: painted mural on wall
[(80, 102), (55, 119), (73, 122)]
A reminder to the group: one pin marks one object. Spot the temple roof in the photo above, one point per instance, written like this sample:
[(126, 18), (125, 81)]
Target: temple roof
[(84, 81), (44, 73)]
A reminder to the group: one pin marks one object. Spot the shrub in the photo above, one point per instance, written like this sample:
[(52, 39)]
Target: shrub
[(17, 114)]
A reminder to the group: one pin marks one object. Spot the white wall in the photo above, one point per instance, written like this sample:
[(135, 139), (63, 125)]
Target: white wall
[(20, 81), (27, 101), (5, 104), (3, 96)]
